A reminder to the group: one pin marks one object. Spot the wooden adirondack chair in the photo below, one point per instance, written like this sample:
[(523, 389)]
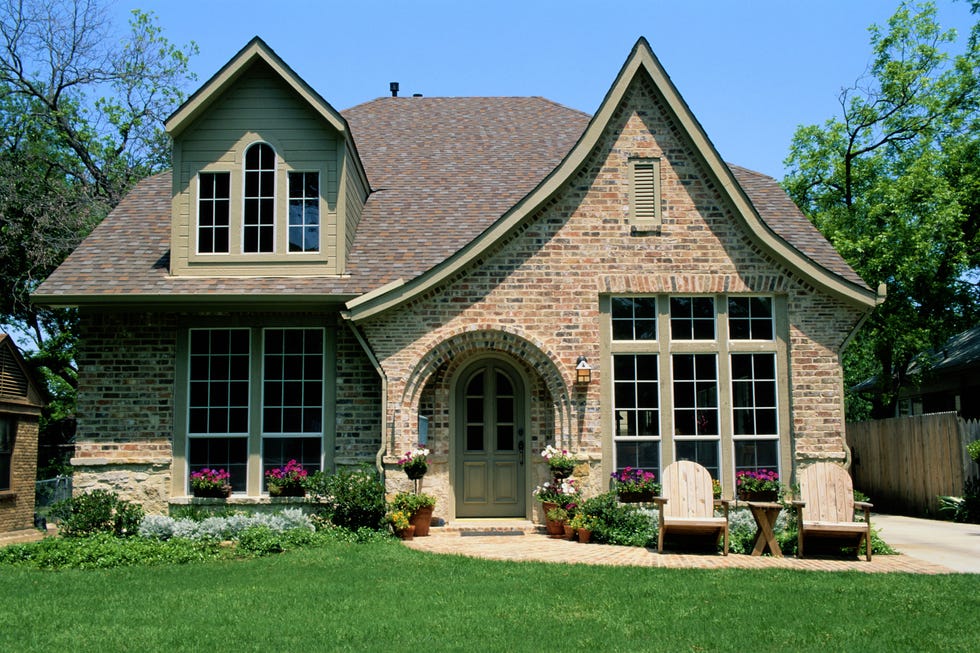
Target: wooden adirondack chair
[(826, 507), (687, 504)]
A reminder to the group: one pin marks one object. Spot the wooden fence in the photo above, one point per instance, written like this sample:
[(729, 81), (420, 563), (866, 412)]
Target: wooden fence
[(903, 464)]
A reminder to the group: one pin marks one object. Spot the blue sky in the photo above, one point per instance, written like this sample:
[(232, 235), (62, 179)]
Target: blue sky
[(751, 70)]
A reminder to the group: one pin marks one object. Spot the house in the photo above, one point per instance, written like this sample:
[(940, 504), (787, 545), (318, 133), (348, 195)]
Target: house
[(21, 400), (333, 286), (952, 381)]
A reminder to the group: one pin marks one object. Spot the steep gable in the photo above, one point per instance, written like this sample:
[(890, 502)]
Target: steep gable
[(809, 259)]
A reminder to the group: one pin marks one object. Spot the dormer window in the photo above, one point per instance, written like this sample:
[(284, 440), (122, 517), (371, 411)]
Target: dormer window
[(244, 215), (259, 227)]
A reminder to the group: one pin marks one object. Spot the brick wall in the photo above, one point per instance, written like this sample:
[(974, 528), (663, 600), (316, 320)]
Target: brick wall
[(17, 504), (535, 297)]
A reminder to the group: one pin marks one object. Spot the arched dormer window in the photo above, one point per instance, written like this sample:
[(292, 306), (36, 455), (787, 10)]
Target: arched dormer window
[(259, 219)]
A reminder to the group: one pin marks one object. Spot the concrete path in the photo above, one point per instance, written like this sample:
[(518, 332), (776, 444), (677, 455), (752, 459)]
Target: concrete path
[(952, 545)]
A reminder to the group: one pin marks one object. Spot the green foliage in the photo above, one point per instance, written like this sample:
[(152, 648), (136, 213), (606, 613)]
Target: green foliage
[(965, 509), (615, 523), (352, 499), (892, 184), (973, 450), (411, 502), (262, 540), (104, 551), (99, 511)]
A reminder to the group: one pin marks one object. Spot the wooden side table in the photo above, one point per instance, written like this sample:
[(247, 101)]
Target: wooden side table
[(765, 514)]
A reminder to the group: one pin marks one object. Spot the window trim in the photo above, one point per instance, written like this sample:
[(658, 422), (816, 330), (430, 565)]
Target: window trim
[(302, 226), (723, 347), (197, 204), (180, 486)]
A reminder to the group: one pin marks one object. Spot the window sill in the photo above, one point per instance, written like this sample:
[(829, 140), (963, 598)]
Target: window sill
[(235, 500), (6, 495)]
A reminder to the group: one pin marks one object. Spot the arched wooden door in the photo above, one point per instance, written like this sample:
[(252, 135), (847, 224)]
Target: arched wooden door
[(489, 421)]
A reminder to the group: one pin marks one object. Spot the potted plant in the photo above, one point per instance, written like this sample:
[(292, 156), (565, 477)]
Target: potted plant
[(556, 494), (760, 485), (211, 483), (556, 519), (419, 509), (583, 524), (415, 462), (287, 481), (560, 461), (634, 485), (400, 524)]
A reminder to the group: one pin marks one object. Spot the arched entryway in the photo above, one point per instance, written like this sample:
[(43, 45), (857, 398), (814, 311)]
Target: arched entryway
[(489, 424)]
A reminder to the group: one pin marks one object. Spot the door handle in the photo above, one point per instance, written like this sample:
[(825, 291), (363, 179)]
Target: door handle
[(520, 449)]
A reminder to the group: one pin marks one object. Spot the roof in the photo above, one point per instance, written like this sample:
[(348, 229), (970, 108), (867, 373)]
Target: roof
[(962, 351), (18, 388), (432, 162)]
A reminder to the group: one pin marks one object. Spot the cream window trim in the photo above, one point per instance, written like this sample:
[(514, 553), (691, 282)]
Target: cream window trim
[(645, 195)]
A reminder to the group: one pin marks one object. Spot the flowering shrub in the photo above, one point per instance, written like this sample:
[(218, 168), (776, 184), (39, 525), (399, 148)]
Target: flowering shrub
[(559, 460), (213, 482), (563, 492), (415, 462), (630, 479), (763, 480), (290, 477)]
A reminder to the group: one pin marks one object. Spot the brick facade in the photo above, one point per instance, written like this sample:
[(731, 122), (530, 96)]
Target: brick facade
[(535, 300), (17, 504)]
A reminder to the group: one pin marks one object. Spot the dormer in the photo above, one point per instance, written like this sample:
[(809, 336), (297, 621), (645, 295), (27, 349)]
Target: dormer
[(266, 178)]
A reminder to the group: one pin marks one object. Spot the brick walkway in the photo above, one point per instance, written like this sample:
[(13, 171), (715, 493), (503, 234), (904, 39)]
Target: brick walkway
[(533, 546)]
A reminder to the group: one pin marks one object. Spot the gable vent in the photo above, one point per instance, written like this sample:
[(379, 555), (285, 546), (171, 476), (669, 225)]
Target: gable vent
[(13, 382), (645, 191)]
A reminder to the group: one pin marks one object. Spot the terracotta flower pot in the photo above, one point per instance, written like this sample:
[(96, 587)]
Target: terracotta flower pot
[(584, 535), (406, 533), (569, 532), (421, 521)]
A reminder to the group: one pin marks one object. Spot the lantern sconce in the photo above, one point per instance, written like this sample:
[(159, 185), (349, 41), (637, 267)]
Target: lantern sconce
[(583, 371)]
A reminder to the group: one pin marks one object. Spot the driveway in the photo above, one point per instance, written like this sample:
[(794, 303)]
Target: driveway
[(952, 545)]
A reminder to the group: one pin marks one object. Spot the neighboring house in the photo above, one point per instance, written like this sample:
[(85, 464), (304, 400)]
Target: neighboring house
[(309, 283), (952, 381), (21, 401)]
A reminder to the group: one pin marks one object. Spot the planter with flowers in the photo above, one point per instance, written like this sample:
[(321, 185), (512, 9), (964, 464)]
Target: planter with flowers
[(400, 524), (415, 462), (635, 485), (761, 485), (560, 461), (557, 494), (287, 481), (419, 509), (556, 521), (214, 483), (583, 525)]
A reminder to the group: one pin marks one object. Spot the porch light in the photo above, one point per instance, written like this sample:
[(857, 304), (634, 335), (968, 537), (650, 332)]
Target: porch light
[(583, 371)]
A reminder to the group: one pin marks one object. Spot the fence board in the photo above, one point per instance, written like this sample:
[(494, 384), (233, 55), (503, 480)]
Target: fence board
[(903, 464)]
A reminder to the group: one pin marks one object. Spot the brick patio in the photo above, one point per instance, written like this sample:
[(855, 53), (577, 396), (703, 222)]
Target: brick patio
[(525, 543)]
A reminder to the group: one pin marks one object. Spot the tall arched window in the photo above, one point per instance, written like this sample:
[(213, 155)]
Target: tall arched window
[(259, 229)]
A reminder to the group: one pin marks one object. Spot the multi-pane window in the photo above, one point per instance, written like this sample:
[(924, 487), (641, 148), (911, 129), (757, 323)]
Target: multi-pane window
[(218, 401), (696, 423), (292, 402), (750, 318), (213, 210), (755, 415), (304, 212), (259, 223), (637, 410), (227, 417), (634, 318), (696, 378), (692, 318)]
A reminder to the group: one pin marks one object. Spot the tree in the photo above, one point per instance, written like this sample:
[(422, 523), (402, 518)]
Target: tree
[(81, 115), (893, 185)]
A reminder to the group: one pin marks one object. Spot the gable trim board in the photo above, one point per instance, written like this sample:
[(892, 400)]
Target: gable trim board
[(641, 61)]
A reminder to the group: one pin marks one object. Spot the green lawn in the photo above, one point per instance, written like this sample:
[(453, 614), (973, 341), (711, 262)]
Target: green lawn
[(385, 597)]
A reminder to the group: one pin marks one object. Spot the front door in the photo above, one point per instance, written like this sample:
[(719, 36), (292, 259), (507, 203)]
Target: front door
[(490, 441)]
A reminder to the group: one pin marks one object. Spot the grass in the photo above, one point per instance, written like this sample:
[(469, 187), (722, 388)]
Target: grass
[(382, 596)]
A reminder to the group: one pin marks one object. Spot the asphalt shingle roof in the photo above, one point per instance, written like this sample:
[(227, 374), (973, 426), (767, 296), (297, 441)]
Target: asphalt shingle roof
[(442, 170)]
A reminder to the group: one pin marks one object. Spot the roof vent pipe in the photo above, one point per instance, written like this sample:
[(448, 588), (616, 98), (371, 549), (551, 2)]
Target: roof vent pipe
[(394, 89), (416, 95)]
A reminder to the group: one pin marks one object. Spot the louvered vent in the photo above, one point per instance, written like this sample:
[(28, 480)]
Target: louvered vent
[(646, 194), (13, 382)]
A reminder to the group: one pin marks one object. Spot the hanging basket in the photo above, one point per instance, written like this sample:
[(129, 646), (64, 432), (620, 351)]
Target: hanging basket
[(416, 471)]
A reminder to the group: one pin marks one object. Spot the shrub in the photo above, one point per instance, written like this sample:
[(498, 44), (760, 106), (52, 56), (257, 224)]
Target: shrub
[(104, 551), (224, 528), (616, 523), (964, 509), (99, 511), (351, 499)]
